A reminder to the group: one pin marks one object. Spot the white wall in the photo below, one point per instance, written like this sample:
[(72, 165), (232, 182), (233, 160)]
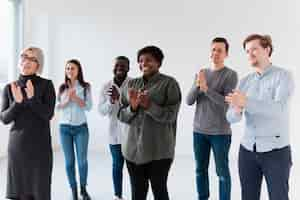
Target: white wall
[(8, 41), (97, 31)]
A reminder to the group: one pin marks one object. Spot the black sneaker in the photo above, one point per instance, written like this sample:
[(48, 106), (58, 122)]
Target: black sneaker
[(84, 194)]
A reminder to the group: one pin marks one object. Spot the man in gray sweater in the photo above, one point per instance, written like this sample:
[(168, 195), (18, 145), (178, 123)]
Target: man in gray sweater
[(211, 129)]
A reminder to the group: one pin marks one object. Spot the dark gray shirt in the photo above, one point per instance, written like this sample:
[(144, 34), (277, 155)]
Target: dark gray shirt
[(210, 115), (152, 132)]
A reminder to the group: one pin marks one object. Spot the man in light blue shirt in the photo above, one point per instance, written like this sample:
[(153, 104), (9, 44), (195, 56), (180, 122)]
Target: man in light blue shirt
[(263, 98)]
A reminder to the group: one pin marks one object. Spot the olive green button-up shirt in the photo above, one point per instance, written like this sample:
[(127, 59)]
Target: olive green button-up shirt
[(152, 132)]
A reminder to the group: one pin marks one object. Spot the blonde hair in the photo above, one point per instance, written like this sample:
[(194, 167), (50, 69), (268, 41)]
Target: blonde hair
[(39, 56)]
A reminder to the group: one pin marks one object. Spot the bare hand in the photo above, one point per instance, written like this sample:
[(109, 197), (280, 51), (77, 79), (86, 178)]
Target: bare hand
[(29, 89), (114, 94), (133, 99), (144, 99), (236, 99), (16, 92), (65, 99), (238, 110), (71, 94), (73, 97), (201, 81)]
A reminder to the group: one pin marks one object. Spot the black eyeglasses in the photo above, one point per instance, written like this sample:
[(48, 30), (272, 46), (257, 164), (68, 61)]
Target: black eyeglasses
[(26, 57)]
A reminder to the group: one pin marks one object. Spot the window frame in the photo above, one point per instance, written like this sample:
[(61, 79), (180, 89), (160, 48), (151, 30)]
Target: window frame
[(16, 13)]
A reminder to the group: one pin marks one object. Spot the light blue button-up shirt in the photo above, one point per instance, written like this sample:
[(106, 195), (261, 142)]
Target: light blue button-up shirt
[(72, 113), (267, 109)]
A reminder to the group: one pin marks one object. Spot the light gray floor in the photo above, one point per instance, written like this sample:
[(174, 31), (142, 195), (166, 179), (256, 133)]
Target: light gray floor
[(181, 181)]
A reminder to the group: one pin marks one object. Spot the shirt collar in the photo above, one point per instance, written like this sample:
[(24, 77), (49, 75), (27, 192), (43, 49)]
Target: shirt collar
[(265, 72), (122, 85), (153, 78)]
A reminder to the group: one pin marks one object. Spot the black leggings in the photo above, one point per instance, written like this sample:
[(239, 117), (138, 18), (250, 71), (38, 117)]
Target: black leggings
[(156, 172), (26, 197)]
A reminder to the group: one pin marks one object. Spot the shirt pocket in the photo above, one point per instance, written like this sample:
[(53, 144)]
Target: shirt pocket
[(158, 94), (268, 87)]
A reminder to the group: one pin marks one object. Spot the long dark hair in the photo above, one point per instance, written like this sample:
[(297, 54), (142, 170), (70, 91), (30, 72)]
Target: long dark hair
[(65, 85)]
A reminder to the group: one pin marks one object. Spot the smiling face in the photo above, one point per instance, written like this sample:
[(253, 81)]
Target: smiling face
[(148, 65), (28, 62), (71, 71), (218, 53), (256, 53), (121, 68)]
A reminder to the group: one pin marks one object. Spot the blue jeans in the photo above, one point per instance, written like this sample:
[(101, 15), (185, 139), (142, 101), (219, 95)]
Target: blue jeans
[(117, 168), (274, 165), (220, 145), (78, 136)]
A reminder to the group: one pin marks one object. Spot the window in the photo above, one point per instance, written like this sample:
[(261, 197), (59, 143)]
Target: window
[(10, 39)]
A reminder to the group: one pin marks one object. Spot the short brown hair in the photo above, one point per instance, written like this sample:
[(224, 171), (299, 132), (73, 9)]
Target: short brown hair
[(264, 40)]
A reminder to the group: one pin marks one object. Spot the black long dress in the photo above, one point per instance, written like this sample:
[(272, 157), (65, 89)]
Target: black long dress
[(29, 149)]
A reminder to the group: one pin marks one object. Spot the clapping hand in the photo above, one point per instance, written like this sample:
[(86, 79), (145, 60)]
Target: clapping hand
[(237, 99), (29, 89), (201, 81), (143, 97), (114, 94), (71, 94), (16, 92), (73, 97), (133, 99), (139, 98)]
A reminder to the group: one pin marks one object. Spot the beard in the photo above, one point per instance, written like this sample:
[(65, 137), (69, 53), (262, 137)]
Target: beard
[(254, 63)]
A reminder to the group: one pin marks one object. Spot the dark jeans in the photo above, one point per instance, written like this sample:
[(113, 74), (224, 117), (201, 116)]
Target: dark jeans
[(78, 136), (274, 166), (156, 172), (26, 197), (220, 145), (117, 168)]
